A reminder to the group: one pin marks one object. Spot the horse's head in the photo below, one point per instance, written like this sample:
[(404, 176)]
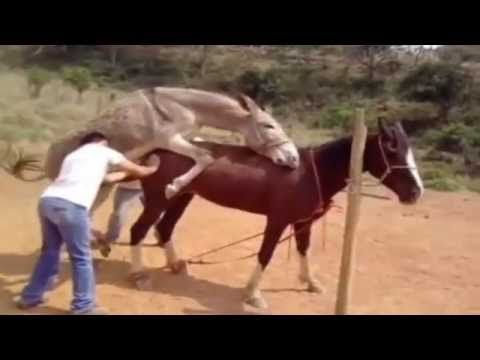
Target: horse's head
[(389, 157), (264, 135)]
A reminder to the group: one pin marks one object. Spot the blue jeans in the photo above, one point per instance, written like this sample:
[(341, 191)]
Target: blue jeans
[(63, 222), (122, 202)]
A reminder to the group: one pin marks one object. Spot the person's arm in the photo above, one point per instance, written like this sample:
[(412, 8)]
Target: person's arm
[(153, 162), (115, 177), (138, 171)]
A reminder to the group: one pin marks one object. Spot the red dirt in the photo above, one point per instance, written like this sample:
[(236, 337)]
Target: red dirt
[(410, 260)]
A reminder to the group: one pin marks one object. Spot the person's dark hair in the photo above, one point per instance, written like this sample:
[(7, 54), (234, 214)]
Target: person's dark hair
[(92, 137)]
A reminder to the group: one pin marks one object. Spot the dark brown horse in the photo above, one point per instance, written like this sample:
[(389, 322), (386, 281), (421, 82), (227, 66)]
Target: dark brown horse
[(242, 180)]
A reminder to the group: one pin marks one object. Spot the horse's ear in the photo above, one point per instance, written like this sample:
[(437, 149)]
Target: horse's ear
[(247, 103), (383, 128), (399, 127)]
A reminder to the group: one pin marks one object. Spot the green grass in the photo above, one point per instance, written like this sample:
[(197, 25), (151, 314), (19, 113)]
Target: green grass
[(40, 121), (51, 115), (473, 185), (443, 184)]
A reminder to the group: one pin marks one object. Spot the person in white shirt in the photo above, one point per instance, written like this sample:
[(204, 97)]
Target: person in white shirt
[(64, 216)]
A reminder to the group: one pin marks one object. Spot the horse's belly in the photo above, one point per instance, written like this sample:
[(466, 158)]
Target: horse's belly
[(241, 194)]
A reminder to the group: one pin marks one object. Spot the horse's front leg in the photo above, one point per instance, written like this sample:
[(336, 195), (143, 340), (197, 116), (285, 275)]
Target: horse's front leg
[(164, 230), (302, 237), (202, 159), (273, 232), (137, 233)]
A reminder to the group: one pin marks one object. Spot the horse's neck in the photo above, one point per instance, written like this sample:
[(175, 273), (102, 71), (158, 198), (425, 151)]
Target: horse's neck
[(210, 109), (333, 163)]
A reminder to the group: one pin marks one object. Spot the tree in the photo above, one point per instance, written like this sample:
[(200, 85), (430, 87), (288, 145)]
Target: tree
[(37, 78), (112, 51), (203, 61), (263, 87), (370, 57), (439, 83), (419, 53), (79, 78)]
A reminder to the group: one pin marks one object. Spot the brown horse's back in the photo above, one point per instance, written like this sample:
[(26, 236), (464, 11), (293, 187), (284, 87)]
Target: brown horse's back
[(239, 178)]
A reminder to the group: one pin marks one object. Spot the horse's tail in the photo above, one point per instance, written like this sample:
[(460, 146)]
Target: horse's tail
[(15, 162)]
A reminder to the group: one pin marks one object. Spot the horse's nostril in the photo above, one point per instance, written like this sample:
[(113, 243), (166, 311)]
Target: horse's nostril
[(416, 193)]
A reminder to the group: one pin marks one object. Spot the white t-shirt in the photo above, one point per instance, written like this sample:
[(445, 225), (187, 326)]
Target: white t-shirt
[(82, 174)]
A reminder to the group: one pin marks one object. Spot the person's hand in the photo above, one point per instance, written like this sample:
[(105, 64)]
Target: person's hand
[(153, 160), (149, 170), (136, 171)]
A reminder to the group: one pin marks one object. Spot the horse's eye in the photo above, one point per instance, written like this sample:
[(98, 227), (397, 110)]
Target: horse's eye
[(391, 147), (268, 126)]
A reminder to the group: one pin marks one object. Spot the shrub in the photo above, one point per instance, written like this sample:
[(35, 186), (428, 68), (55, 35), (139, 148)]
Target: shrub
[(12, 57), (338, 116), (471, 117), (264, 86), (369, 87), (450, 138), (443, 184), (37, 78), (473, 185), (80, 78), (416, 117), (439, 83)]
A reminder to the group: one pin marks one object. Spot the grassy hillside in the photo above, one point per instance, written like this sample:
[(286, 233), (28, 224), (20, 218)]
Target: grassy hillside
[(313, 90)]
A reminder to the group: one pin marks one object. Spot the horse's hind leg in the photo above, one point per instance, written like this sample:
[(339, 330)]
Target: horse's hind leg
[(165, 229), (302, 237), (202, 159), (137, 233)]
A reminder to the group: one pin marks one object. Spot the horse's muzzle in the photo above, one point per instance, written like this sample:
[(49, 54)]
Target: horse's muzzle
[(412, 197), (290, 162)]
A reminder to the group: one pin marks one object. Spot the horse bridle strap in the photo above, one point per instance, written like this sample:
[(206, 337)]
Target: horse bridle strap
[(389, 168)]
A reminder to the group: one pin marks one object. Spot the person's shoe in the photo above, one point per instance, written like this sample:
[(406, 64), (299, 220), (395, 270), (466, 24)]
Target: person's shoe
[(96, 311), (22, 305)]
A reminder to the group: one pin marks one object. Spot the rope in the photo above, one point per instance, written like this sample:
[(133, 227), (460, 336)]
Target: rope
[(308, 222), (316, 216), (192, 260), (324, 233)]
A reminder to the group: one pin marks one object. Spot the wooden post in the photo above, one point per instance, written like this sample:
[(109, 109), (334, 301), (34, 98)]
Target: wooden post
[(353, 213)]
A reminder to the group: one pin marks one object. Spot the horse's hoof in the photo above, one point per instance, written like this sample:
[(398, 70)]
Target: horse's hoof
[(141, 280), (257, 302), (303, 279), (179, 268), (105, 250), (170, 191), (315, 288)]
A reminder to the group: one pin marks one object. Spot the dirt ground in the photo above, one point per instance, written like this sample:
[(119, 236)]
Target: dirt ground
[(410, 260)]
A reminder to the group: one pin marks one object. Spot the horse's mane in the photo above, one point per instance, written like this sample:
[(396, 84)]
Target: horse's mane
[(330, 145)]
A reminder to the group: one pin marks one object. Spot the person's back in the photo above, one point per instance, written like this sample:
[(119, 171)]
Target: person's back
[(82, 173)]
